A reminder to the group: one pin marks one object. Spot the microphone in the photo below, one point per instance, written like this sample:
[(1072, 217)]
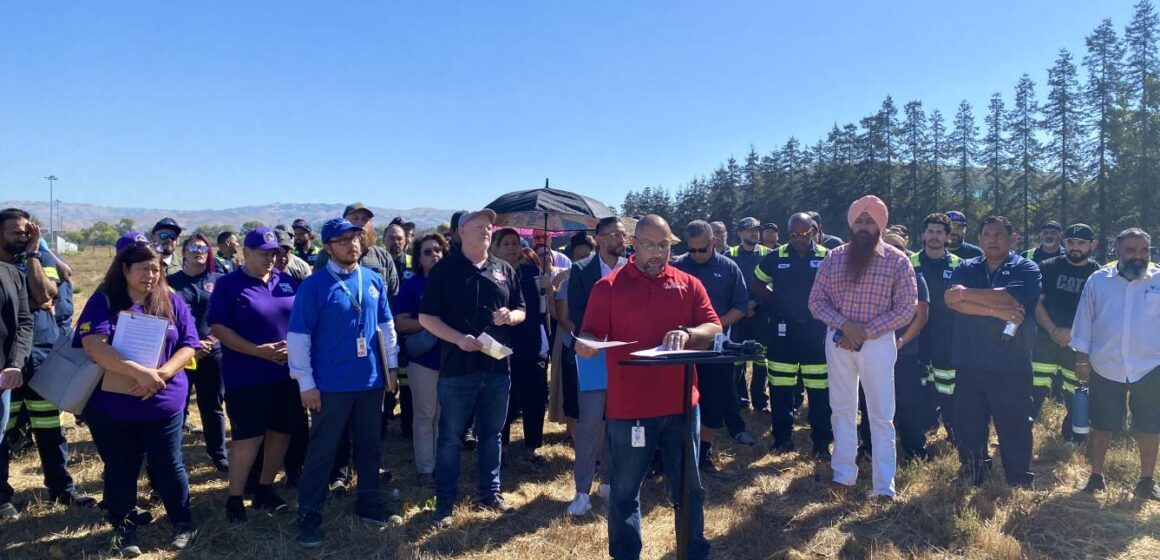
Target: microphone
[(747, 348)]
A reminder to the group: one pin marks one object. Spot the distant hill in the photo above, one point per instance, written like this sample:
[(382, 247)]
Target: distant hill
[(78, 216)]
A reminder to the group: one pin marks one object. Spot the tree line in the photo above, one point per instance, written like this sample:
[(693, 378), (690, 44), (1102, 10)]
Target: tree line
[(1089, 151), (103, 234)]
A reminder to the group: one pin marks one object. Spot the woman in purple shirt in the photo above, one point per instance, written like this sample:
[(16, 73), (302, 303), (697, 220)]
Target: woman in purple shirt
[(422, 370), (147, 422)]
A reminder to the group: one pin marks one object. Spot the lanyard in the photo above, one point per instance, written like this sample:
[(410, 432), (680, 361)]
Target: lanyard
[(357, 303)]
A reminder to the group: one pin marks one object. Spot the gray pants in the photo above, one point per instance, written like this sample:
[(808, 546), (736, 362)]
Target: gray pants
[(424, 383), (590, 441), (363, 411)]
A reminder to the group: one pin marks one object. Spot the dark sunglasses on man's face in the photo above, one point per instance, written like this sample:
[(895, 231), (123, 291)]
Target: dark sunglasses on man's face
[(166, 235), (698, 251)]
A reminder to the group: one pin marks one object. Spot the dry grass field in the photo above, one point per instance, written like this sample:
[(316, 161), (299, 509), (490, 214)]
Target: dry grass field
[(760, 506)]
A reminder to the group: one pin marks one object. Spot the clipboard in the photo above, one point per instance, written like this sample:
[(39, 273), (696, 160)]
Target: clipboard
[(140, 338)]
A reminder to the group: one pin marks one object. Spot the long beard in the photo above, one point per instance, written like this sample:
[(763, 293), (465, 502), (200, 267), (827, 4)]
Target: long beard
[(1133, 269), (368, 236), (861, 252)]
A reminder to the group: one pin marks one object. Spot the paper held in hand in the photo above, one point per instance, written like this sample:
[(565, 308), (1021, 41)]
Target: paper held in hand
[(661, 352), (493, 347), (139, 338)]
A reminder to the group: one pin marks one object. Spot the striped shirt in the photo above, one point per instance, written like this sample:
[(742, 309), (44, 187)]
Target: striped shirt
[(884, 298)]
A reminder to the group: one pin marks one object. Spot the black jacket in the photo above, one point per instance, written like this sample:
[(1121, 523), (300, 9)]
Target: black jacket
[(585, 273), (15, 319)]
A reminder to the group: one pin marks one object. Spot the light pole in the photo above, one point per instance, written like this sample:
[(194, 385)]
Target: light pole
[(51, 179)]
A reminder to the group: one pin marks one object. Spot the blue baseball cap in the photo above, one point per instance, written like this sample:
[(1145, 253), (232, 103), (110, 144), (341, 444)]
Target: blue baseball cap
[(957, 217), (128, 238), (262, 239), (335, 227)]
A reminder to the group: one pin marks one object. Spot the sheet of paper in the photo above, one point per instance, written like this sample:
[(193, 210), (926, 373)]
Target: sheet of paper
[(602, 344), (493, 347), (660, 352), (592, 373), (140, 338)]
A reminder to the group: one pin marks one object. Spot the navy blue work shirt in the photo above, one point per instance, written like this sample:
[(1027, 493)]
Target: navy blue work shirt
[(977, 344)]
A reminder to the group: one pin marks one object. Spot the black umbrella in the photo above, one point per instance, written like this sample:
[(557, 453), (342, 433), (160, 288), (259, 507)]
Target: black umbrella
[(548, 209)]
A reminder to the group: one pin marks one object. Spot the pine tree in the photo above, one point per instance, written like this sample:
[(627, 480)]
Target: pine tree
[(936, 157), (1023, 121), (1105, 85), (995, 155), (912, 153), (887, 122), (1064, 121), (963, 148), (1141, 71)]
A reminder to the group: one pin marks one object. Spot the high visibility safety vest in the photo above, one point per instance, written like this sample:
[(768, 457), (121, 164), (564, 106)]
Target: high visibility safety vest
[(783, 374), (943, 379)]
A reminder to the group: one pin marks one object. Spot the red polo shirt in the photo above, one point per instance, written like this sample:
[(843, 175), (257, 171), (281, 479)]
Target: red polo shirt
[(626, 305)]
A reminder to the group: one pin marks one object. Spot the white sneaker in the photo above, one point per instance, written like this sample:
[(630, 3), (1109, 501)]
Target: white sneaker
[(603, 492), (580, 505)]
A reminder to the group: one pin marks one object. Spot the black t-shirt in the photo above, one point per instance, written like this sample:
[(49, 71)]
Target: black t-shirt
[(1063, 283), (967, 251), (465, 297)]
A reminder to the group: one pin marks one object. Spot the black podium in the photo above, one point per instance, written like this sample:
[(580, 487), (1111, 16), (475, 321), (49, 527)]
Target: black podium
[(688, 361)]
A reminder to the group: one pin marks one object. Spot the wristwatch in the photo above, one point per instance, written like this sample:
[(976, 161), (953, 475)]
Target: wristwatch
[(688, 332)]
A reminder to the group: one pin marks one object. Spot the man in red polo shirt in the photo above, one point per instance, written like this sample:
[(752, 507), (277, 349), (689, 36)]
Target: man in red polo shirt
[(649, 302)]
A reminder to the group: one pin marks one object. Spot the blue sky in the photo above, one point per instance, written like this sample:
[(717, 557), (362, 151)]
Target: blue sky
[(188, 105)]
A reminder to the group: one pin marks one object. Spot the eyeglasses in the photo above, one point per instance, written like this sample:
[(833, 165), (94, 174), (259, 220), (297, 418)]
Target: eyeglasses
[(432, 252), (698, 251), (649, 246), (197, 249), (801, 234), (166, 235), (346, 241)]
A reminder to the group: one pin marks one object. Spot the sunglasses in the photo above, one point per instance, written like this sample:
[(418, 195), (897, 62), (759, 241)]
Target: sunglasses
[(698, 251), (432, 252), (197, 249), (801, 234), (166, 235)]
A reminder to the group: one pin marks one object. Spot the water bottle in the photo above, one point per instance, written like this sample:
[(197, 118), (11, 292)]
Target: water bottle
[(1009, 332), (1080, 420)]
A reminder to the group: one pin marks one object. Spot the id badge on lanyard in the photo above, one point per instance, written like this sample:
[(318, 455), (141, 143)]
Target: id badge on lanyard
[(360, 350)]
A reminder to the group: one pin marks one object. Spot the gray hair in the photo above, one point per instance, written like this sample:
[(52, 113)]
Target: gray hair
[(698, 228), (1134, 232)]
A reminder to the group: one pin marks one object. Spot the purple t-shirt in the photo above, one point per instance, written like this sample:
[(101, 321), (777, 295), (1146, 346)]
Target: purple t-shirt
[(410, 294), (259, 312), (98, 319)]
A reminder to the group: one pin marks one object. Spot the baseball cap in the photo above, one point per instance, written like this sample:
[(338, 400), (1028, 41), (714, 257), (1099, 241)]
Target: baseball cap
[(285, 238), (1080, 231), (464, 216), (166, 223), (128, 238), (402, 222), (1051, 224), (355, 207), (748, 222), (957, 217), (261, 239), (769, 225), (335, 227), (301, 224)]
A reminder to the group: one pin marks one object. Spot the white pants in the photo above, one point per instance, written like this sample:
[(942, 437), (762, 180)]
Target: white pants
[(874, 367)]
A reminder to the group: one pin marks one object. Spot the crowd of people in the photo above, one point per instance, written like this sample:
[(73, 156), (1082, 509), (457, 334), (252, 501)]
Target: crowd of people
[(307, 343)]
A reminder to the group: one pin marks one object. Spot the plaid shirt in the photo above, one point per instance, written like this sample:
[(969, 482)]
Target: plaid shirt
[(884, 298)]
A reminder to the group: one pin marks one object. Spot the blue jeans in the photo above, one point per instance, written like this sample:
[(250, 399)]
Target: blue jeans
[(123, 446), (363, 411), (628, 469), (485, 394)]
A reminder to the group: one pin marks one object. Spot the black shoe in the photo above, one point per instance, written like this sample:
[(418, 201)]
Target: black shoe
[(781, 448), (310, 531), (469, 441), (1095, 484), (1147, 489), (222, 466), (139, 517), (183, 533), (265, 499), (124, 542), (380, 518), (74, 499), (496, 503), (443, 519), (235, 510), (338, 486)]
